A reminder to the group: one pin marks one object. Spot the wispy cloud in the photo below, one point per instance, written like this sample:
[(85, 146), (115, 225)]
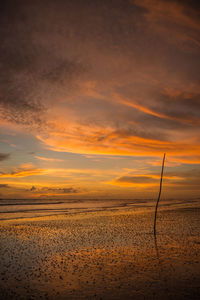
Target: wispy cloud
[(24, 170), (48, 159), (184, 116), (121, 142), (181, 17)]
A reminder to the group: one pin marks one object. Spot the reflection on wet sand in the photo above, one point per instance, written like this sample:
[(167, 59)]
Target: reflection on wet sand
[(102, 255)]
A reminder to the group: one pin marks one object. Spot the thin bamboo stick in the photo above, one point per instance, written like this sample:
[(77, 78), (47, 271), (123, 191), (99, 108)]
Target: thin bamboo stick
[(156, 208)]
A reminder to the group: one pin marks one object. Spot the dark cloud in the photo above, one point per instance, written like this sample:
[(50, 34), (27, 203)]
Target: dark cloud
[(4, 186), (190, 177), (67, 190), (136, 179), (172, 179), (158, 116), (33, 188), (4, 156), (175, 21), (31, 72), (183, 107)]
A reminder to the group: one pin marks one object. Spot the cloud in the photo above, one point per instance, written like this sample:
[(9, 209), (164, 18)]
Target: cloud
[(172, 179), (68, 190), (3, 185), (107, 78), (33, 188), (181, 108), (189, 178), (22, 173), (48, 159), (4, 156), (108, 141), (136, 179), (181, 17), (32, 73), (52, 191)]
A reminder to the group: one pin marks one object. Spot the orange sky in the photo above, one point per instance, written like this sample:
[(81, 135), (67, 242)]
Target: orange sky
[(93, 93)]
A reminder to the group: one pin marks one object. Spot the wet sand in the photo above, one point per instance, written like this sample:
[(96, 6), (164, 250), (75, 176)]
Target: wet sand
[(102, 255)]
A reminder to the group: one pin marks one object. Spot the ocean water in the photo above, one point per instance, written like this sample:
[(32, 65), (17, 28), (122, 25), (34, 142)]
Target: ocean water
[(24, 208)]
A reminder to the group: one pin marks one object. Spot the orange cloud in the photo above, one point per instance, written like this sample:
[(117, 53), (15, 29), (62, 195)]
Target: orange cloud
[(107, 141), (131, 103), (24, 173), (162, 16), (48, 159)]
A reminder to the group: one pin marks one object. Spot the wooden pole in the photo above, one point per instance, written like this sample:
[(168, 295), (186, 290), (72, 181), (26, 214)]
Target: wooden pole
[(156, 208)]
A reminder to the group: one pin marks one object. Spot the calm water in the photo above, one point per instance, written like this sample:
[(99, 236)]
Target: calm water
[(15, 209)]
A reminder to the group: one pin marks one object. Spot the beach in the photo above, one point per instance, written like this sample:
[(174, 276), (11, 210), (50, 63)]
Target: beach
[(100, 150), (102, 253)]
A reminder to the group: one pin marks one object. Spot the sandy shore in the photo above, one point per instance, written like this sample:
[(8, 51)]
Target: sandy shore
[(102, 255)]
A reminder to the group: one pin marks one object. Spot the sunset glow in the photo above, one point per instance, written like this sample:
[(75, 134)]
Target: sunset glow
[(93, 94)]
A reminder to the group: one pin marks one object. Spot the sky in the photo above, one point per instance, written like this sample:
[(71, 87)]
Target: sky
[(93, 93)]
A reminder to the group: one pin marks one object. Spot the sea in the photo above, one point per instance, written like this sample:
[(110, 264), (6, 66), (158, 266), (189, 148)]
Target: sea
[(32, 208)]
